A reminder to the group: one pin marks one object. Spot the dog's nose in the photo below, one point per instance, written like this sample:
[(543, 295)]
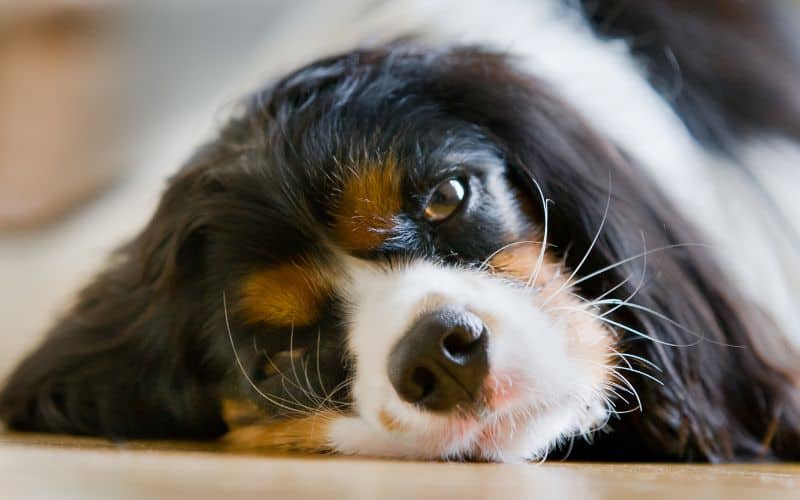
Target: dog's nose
[(441, 361)]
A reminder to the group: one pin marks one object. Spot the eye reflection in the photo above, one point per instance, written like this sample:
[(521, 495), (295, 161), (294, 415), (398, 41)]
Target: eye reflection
[(445, 200)]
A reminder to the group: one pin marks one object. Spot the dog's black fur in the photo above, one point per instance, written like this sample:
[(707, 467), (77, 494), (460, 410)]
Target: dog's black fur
[(144, 354)]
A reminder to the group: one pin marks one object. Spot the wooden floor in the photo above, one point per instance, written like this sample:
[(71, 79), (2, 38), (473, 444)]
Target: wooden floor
[(56, 467)]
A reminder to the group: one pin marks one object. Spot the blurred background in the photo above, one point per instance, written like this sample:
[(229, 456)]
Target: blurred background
[(100, 101)]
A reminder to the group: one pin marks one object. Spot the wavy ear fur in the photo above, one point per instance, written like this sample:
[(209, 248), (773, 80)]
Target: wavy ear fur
[(726, 395), (126, 361)]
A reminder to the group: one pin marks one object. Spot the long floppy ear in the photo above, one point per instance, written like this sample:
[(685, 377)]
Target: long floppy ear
[(125, 360), (730, 384)]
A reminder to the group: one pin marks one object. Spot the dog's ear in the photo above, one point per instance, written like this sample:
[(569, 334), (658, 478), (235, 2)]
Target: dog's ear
[(125, 360), (730, 386)]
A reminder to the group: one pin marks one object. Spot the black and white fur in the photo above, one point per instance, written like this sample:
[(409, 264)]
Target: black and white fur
[(624, 124)]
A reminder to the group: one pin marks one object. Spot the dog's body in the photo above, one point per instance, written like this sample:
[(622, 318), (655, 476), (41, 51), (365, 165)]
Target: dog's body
[(454, 253)]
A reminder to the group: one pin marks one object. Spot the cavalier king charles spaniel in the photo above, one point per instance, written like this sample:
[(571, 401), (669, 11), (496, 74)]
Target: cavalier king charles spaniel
[(485, 251)]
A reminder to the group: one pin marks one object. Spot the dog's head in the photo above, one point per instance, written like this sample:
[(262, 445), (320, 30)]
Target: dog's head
[(413, 253)]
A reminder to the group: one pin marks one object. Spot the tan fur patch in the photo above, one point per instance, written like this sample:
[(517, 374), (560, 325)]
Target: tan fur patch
[(252, 430), (241, 412), (520, 260), (286, 295), (363, 215), (388, 422)]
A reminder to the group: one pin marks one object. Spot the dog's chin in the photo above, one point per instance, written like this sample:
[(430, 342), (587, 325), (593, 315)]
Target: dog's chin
[(518, 430)]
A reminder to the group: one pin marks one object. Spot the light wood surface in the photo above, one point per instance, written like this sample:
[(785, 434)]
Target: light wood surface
[(34, 466)]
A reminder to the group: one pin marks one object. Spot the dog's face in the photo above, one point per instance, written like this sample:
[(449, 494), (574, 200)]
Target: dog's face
[(412, 253), (459, 334), (408, 304)]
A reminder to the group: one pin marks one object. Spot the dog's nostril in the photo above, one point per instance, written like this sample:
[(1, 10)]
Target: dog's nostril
[(424, 380), (459, 343)]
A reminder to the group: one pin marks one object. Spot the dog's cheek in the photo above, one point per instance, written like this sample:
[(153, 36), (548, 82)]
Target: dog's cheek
[(587, 339)]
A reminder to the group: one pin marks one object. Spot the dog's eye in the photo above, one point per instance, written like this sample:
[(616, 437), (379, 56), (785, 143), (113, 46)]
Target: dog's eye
[(445, 200)]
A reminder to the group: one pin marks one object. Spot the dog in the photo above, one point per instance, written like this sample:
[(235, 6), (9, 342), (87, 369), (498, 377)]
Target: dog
[(441, 251)]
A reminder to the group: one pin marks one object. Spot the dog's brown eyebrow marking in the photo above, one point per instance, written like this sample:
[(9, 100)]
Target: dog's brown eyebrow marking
[(287, 295), (364, 212)]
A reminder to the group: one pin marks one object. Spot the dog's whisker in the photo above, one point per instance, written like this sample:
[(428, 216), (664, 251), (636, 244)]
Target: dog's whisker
[(623, 358), (623, 262), (301, 408), (624, 412), (627, 328), (293, 397), (569, 448), (671, 321), (627, 384), (325, 399), (540, 259), (304, 391), (638, 287), (618, 387), (618, 303), (640, 359), (635, 331), (611, 290), (643, 374), (284, 380), (343, 385), (311, 391), (485, 263), (319, 373), (637, 256), (567, 283), (241, 365), (617, 394)]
